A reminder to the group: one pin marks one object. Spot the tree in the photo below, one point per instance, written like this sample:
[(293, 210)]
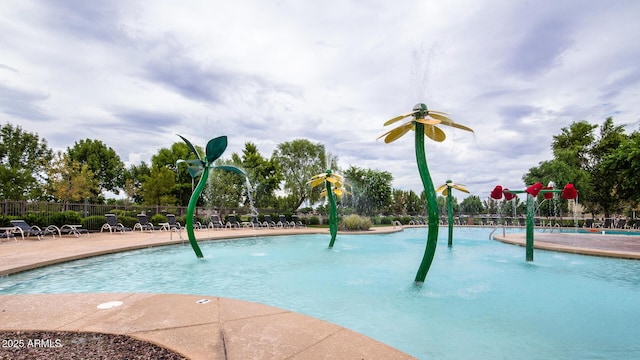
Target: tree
[(134, 177), (300, 160), (471, 205), (157, 189), (70, 181), (184, 183), (102, 160), (607, 197), (23, 160), (371, 190), (264, 175), (225, 188), (624, 164)]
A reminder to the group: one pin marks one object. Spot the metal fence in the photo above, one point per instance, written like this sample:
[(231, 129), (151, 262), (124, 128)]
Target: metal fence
[(92, 215)]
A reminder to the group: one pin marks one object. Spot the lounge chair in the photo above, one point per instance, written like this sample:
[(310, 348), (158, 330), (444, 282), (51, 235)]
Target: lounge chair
[(621, 224), (282, 222), (171, 224), (296, 222), (215, 222), (76, 230), (197, 224), (588, 223), (255, 223), (608, 223), (143, 223), (112, 224), (268, 222), (233, 223), (23, 228)]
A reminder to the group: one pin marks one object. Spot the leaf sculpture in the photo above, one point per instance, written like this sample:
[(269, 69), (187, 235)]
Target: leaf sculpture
[(334, 184), (446, 191), (200, 167), (424, 122)]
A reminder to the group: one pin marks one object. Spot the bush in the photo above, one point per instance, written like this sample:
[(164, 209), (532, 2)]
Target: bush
[(313, 220), (356, 222), (385, 220), (65, 218)]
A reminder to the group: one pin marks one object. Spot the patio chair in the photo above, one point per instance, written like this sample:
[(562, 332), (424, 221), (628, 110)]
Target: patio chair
[(171, 224), (215, 222), (112, 224), (23, 228), (608, 223), (268, 222), (255, 223), (143, 223), (69, 229), (232, 222), (296, 222), (588, 223), (282, 222), (621, 224), (197, 225)]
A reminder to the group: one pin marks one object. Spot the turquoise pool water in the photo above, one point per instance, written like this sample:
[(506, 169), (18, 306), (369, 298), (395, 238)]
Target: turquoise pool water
[(481, 300)]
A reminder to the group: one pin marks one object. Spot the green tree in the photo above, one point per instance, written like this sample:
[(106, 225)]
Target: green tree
[(624, 164), (472, 205), (134, 177), (264, 175), (103, 161), (23, 160), (299, 161), (70, 181), (225, 188), (157, 188), (371, 190), (184, 183), (607, 198)]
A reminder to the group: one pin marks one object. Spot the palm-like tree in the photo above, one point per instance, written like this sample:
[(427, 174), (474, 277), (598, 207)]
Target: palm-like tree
[(334, 184), (200, 167), (446, 191), (424, 122)]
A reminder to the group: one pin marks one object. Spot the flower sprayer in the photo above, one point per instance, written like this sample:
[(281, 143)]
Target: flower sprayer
[(424, 122)]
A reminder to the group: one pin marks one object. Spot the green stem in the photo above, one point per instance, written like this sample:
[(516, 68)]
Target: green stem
[(450, 211), (333, 216), (531, 208), (432, 204), (191, 209)]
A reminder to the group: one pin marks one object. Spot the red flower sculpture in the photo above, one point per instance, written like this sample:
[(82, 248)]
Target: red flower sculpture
[(534, 189), (508, 195), (548, 195), (496, 193), (569, 192)]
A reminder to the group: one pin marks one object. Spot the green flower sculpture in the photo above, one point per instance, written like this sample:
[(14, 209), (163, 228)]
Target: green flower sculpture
[(200, 167), (424, 123), (334, 184), (446, 191)]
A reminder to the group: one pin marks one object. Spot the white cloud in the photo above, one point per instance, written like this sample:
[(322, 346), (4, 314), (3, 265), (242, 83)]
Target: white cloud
[(135, 73)]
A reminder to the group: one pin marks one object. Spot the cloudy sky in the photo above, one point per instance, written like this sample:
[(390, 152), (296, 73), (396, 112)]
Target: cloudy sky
[(135, 73)]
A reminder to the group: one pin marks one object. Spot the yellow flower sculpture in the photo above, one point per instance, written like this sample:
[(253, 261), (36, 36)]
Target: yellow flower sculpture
[(425, 123), (446, 191), (334, 184)]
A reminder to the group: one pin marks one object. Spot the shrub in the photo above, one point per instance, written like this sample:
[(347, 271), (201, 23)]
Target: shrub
[(356, 222), (313, 220), (385, 220)]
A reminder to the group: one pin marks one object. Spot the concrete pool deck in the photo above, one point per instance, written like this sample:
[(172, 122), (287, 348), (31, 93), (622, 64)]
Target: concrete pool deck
[(196, 326), (596, 243)]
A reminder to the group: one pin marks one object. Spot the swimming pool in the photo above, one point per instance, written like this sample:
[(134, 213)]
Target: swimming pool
[(481, 300)]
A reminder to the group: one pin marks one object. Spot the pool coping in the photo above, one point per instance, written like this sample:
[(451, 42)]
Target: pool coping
[(198, 327)]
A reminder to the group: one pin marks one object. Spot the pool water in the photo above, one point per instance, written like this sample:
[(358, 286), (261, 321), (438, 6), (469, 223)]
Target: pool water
[(480, 300)]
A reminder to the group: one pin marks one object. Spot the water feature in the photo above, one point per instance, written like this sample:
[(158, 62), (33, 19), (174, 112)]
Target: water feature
[(480, 301)]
